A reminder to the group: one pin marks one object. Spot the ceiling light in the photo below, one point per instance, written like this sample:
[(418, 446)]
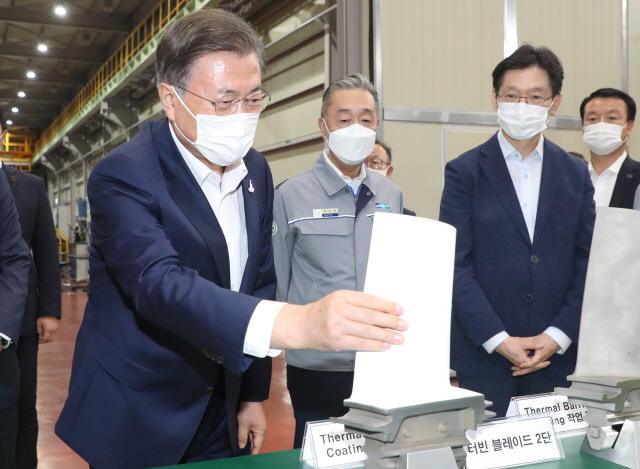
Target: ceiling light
[(14, 109), (60, 10), (42, 47), (21, 94), (9, 122), (31, 74)]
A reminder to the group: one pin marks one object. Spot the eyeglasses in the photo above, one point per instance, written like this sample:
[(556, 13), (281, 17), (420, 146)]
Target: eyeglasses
[(511, 99), (227, 104), (379, 164)]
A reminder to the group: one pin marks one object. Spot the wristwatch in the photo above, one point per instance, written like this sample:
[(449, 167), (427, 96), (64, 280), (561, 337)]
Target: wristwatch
[(4, 343)]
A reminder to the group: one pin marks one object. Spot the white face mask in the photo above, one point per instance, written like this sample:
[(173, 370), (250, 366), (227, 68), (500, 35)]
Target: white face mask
[(223, 140), (523, 122), (381, 172), (603, 138), (351, 144)]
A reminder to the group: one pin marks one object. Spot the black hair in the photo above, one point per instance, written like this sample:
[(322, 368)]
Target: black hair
[(200, 33), (386, 148), (528, 56), (611, 93)]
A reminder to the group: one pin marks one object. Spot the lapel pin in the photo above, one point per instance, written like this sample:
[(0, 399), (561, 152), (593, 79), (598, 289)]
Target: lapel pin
[(13, 178), (629, 175), (250, 186)]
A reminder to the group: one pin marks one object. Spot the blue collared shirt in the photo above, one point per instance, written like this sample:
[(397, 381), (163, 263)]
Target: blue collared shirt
[(525, 174)]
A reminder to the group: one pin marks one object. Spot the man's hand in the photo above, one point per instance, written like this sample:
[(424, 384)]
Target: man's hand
[(343, 320), (540, 358), (47, 327), (251, 422), (516, 349)]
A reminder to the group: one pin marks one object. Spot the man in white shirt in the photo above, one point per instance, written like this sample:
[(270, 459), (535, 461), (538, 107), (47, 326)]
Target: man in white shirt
[(524, 213), (608, 117), (167, 364)]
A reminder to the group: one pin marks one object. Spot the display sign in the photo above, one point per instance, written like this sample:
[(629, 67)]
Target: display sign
[(328, 445), (566, 417), (511, 442)]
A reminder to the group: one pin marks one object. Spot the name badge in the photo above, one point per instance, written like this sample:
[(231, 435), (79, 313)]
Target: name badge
[(328, 445), (566, 417), (325, 212), (514, 441), (383, 206)]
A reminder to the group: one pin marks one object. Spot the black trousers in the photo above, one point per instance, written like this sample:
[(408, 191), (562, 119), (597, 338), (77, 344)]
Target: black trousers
[(9, 389), (501, 392), (317, 395), (27, 440)]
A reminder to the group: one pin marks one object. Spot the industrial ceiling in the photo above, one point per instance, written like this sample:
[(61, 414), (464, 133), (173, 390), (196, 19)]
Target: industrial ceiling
[(49, 50)]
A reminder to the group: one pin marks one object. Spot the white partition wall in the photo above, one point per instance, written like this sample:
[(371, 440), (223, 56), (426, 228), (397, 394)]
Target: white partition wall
[(433, 64)]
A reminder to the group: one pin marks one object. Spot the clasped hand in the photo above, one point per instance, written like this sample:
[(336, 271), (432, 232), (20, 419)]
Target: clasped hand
[(528, 354)]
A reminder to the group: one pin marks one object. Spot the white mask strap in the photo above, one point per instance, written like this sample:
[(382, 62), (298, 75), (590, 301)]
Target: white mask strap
[(326, 126), (183, 104), (548, 116), (175, 124)]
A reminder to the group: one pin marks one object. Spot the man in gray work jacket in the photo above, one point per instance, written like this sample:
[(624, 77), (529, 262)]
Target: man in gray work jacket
[(321, 234)]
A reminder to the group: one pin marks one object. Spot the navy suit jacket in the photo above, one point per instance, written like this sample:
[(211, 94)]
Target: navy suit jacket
[(38, 231), (627, 183), (161, 325), (503, 281), (14, 272)]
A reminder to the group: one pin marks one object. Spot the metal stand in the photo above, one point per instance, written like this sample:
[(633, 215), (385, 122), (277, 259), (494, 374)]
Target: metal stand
[(613, 416), (406, 437), (442, 458)]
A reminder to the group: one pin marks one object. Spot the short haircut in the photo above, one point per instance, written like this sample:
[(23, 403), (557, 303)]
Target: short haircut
[(3, 120), (386, 148), (352, 82), (528, 56), (198, 34), (611, 93)]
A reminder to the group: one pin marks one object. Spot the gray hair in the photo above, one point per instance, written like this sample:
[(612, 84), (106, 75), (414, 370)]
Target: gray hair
[(201, 33), (353, 82)]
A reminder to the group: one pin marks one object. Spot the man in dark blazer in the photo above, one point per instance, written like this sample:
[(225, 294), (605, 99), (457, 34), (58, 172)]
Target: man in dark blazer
[(42, 311), (167, 364), (524, 213), (608, 117), (14, 277)]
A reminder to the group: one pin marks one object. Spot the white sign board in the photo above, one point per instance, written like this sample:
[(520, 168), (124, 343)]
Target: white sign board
[(512, 442), (566, 417), (328, 445)]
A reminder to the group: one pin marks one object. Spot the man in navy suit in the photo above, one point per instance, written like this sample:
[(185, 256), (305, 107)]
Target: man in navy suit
[(608, 116), (42, 310), (14, 279), (524, 213), (169, 363)]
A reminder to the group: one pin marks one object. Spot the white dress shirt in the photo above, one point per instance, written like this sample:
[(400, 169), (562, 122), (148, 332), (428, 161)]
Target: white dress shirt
[(526, 176), (227, 202), (606, 181), (354, 183)]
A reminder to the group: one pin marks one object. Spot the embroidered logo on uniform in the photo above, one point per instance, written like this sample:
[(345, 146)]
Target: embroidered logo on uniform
[(274, 228), (383, 206)]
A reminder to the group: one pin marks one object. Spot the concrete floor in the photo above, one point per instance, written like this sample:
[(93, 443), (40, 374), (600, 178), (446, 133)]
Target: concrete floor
[(54, 370)]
